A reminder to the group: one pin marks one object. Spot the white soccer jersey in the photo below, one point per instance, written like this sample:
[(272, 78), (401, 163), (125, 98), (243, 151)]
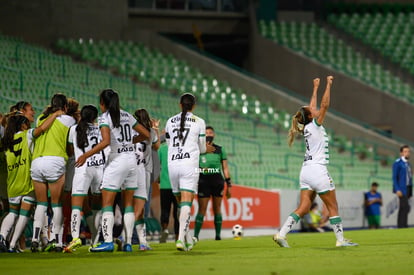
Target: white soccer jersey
[(186, 151), (121, 137), (144, 149), (94, 137), (316, 142)]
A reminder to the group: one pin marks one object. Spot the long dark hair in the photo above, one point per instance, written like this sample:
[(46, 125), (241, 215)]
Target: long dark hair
[(88, 115), (143, 118), (110, 99), (14, 125), (187, 102), (21, 105), (58, 102)]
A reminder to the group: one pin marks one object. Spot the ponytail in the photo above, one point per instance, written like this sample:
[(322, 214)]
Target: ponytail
[(299, 120), (14, 125), (187, 102), (110, 100), (58, 102), (88, 115), (295, 128)]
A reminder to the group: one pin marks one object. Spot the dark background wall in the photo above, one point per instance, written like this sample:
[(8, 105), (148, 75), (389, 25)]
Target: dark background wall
[(44, 21)]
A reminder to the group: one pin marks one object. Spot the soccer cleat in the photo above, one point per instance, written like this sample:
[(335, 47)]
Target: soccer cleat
[(120, 243), (103, 247), (3, 244), (345, 243), (180, 245), (282, 242), (164, 236), (127, 248), (218, 238), (144, 247), (58, 249), (14, 250), (35, 247), (74, 244), (50, 246)]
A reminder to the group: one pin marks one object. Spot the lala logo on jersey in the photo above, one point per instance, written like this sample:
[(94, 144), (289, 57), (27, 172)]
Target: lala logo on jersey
[(180, 155), (94, 162)]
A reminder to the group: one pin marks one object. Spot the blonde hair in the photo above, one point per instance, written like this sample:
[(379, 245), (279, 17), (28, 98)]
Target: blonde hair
[(296, 127)]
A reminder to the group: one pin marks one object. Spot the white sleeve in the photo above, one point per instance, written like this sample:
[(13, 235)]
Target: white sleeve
[(167, 133), (71, 135), (202, 137)]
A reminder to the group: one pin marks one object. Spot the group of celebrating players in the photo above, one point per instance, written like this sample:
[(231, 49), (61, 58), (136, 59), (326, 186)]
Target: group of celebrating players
[(68, 150)]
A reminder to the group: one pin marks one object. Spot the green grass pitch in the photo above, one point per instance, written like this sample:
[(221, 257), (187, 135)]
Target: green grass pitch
[(386, 251)]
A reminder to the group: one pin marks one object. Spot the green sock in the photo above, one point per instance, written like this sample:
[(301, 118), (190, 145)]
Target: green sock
[(218, 219), (198, 224)]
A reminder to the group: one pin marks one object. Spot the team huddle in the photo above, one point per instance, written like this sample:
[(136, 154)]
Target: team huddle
[(69, 151)]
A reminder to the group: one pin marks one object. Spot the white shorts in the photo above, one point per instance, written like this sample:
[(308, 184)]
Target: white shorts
[(48, 169), (85, 178), (141, 192), (183, 178), (316, 177), (70, 172), (120, 173), (29, 198)]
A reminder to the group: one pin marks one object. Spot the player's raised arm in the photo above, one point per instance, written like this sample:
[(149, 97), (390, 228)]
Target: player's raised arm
[(314, 99), (325, 102)]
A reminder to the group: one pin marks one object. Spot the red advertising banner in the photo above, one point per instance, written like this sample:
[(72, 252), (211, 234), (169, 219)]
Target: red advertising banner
[(249, 207)]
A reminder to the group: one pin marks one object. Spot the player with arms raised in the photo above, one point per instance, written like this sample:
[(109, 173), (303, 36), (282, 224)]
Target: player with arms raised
[(314, 175)]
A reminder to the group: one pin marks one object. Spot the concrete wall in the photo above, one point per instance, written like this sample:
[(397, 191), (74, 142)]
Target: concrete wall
[(183, 21), (349, 96), (44, 21)]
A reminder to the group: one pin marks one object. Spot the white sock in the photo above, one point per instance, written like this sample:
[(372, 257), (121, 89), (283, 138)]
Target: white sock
[(57, 224), (20, 226), (184, 222), (108, 226), (98, 227), (336, 224), (7, 224), (129, 218), (39, 218), (141, 231), (75, 222), (289, 223)]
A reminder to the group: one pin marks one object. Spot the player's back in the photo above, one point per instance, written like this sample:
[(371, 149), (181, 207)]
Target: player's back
[(187, 149)]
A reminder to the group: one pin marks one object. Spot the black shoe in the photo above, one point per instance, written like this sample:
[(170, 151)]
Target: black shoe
[(3, 244), (218, 238), (35, 247)]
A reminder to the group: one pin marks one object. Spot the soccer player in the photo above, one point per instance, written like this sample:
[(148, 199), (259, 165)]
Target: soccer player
[(18, 145), (185, 134), (4, 204), (83, 137), (211, 183), (120, 172), (48, 170), (314, 176), (144, 154)]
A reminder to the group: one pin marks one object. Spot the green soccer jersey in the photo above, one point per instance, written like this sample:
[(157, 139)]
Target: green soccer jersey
[(210, 163), (53, 141), (164, 177), (19, 159)]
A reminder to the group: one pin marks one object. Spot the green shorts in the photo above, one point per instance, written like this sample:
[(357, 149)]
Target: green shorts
[(374, 220)]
